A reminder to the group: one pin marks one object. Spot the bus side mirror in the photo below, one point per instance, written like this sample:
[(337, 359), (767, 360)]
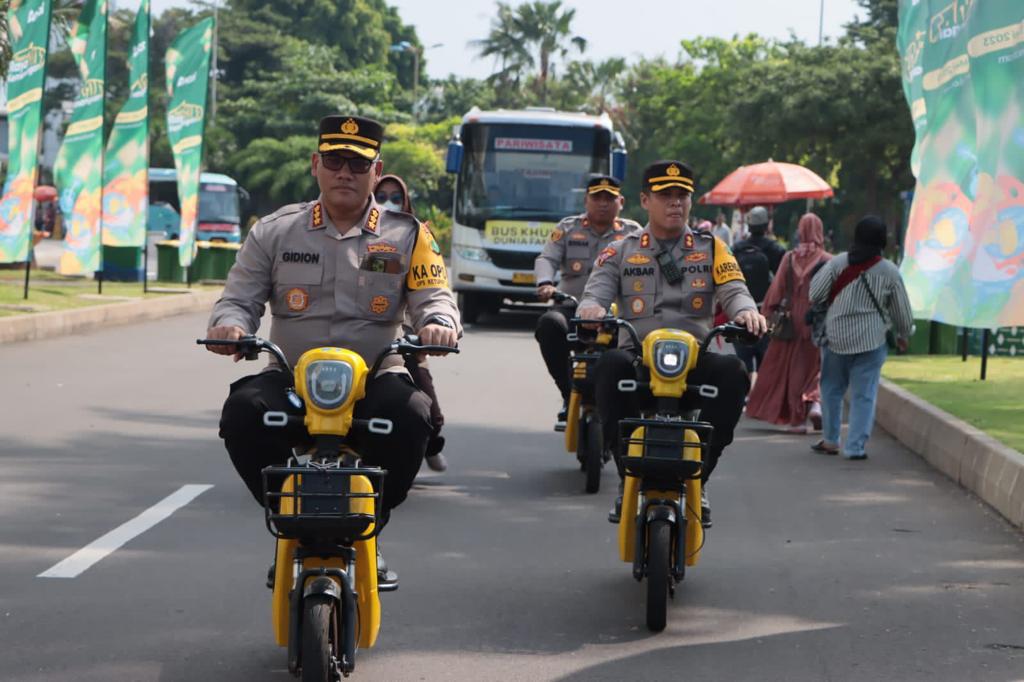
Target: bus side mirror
[(453, 162), (619, 164), (243, 194)]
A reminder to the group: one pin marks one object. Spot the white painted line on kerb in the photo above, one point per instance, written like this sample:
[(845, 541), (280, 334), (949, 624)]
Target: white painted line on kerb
[(81, 560)]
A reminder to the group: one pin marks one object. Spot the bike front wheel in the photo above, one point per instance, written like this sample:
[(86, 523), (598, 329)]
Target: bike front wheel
[(592, 459), (319, 639), (659, 546)]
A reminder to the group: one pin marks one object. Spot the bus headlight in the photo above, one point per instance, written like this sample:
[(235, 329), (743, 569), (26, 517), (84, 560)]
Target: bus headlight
[(472, 253), (670, 358), (329, 382)]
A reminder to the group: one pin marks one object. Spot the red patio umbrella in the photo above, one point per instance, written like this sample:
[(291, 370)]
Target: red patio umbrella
[(45, 193), (767, 183)]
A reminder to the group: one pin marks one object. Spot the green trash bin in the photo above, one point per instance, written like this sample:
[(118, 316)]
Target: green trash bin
[(221, 257), (920, 340), (122, 263), (202, 267), (167, 268)]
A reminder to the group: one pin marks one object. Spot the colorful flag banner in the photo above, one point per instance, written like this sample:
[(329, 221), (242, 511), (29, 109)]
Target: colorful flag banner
[(188, 75), (963, 76), (28, 30), (126, 170), (78, 171)]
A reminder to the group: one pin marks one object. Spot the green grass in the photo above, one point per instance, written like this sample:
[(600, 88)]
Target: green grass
[(48, 292), (995, 406)]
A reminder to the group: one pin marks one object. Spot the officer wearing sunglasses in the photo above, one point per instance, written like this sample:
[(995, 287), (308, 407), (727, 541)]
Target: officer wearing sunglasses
[(337, 271)]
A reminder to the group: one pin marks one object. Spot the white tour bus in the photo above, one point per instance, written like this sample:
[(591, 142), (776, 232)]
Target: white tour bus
[(518, 174)]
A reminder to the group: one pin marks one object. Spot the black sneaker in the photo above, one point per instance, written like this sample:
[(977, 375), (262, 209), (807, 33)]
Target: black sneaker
[(705, 508), (616, 511), (387, 580), (563, 415)]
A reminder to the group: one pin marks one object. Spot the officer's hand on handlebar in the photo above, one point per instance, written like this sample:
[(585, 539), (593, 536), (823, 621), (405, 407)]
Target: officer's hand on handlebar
[(226, 333), (753, 321), (545, 292), (438, 335), (591, 311)]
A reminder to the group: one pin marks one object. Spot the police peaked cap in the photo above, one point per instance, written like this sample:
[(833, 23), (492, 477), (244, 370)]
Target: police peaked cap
[(351, 133)]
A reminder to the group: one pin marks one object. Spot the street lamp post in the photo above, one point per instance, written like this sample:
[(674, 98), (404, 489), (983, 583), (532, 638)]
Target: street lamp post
[(406, 46)]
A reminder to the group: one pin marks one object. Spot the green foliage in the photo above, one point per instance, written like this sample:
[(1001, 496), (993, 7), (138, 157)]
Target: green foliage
[(276, 171)]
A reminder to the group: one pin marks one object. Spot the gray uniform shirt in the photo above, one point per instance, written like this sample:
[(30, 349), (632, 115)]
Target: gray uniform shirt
[(628, 272), (571, 250), (347, 290)]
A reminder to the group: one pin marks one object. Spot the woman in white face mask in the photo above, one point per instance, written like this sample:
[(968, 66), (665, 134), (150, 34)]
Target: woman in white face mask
[(392, 194)]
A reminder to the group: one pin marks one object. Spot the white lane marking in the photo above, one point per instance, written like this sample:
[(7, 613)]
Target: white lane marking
[(77, 563)]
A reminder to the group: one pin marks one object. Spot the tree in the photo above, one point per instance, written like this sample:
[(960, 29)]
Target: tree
[(276, 171)]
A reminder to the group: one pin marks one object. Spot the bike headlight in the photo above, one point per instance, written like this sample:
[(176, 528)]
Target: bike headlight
[(472, 253), (329, 383), (670, 358)]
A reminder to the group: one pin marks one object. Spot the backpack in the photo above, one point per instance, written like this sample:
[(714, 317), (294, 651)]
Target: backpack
[(756, 270)]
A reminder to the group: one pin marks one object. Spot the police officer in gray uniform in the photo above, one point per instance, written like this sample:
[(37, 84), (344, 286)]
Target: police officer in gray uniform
[(571, 250), (667, 275), (338, 271)]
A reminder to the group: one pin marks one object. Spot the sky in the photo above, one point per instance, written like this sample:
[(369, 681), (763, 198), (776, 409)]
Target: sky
[(612, 29)]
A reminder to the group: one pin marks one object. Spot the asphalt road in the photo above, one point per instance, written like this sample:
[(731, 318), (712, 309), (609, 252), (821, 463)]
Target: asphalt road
[(816, 569)]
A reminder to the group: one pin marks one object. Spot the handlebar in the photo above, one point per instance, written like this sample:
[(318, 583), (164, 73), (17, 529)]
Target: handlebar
[(562, 297)]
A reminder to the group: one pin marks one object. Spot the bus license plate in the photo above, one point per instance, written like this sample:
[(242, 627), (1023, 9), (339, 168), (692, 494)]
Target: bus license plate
[(523, 278)]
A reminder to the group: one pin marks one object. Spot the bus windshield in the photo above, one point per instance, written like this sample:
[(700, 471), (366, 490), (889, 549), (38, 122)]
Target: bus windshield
[(218, 203), (526, 172)]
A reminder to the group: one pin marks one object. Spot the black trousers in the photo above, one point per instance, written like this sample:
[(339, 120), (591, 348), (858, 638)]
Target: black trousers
[(253, 446), (723, 413), (554, 347)]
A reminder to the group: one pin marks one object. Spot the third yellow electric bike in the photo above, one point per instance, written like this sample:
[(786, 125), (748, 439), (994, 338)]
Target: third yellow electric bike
[(660, 528)]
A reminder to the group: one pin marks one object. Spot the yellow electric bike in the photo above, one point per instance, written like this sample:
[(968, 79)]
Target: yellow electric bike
[(323, 507), (660, 528), (583, 435)]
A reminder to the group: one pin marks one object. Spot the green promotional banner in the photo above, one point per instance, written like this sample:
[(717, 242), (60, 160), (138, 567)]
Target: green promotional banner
[(78, 171), (126, 171), (963, 76), (188, 74), (28, 30)]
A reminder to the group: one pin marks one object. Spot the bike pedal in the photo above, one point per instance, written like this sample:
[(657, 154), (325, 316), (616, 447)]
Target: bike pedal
[(560, 427), (389, 583)]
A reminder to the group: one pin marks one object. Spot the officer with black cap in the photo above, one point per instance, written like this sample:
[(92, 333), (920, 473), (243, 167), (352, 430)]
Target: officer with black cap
[(337, 271), (667, 275), (570, 252)]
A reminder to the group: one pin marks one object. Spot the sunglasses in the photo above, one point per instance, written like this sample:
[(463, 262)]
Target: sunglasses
[(357, 164), (394, 197)]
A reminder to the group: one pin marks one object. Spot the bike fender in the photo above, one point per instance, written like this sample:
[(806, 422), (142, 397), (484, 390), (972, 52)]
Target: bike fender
[(322, 585), (661, 512)]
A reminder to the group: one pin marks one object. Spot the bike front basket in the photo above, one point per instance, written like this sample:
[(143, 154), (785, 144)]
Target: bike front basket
[(661, 463), (319, 502)]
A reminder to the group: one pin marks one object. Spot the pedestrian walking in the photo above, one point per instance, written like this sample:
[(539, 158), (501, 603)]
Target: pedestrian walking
[(721, 229), (866, 297), (787, 390)]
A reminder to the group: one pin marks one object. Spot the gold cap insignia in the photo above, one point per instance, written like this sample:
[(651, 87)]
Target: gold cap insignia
[(672, 170), (350, 127), (605, 183)]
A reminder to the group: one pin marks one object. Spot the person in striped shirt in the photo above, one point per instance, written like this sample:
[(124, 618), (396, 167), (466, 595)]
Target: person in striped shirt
[(866, 298)]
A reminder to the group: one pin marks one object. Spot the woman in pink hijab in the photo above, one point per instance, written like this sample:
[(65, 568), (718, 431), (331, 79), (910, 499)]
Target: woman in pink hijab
[(787, 391)]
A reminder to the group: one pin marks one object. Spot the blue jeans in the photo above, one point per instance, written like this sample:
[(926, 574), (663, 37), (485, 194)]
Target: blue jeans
[(860, 373)]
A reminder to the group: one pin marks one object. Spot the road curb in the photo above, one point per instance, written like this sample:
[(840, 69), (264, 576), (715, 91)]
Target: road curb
[(36, 326), (977, 461)]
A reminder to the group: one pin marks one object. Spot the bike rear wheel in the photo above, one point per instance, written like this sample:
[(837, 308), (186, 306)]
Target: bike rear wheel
[(659, 546), (592, 460), (319, 639)]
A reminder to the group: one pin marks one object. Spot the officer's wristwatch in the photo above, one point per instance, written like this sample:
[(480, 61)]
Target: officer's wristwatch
[(441, 321)]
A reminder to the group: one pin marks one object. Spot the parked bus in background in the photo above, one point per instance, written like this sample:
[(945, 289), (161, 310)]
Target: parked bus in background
[(517, 174), (219, 206)]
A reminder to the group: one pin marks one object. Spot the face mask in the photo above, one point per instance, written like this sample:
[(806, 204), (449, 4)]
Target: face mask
[(392, 206)]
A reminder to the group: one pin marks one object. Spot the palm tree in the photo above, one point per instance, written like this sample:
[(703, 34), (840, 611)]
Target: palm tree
[(527, 37)]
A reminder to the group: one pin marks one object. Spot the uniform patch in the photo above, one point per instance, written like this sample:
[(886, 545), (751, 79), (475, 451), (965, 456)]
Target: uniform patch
[(578, 236), (603, 257), (371, 220), (638, 272), (618, 237), (577, 266), (638, 285), (638, 259), (688, 241), (645, 241), (556, 235), (637, 305), (382, 247), (696, 257), (297, 299), (427, 269), (300, 257), (727, 270), (379, 305), (697, 303), (318, 215), (699, 283)]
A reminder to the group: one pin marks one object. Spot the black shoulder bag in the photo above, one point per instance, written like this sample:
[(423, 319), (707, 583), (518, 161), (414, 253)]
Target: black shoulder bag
[(890, 338)]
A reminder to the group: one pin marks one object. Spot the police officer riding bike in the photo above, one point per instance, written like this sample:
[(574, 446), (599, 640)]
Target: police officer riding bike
[(339, 271), (667, 275), (570, 251)]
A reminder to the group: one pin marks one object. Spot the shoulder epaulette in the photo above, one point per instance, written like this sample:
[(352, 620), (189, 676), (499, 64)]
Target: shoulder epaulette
[(284, 211)]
